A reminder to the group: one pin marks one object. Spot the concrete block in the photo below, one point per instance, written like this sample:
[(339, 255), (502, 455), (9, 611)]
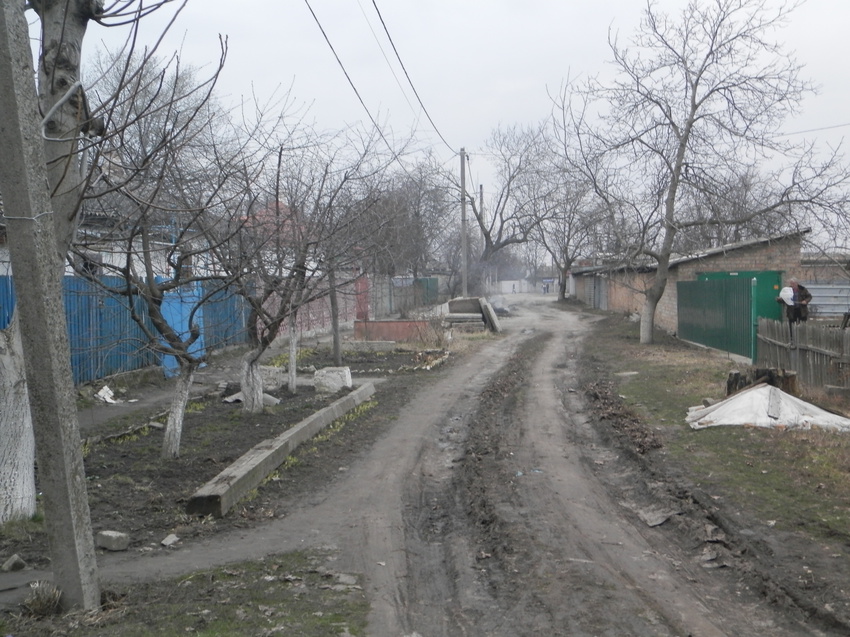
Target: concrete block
[(14, 563), (490, 317), (330, 380), (112, 540), (170, 540), (273, 377)]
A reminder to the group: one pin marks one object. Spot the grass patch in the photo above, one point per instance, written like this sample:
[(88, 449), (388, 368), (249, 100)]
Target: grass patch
[(290, 594), (795, 480), (282, 360), (23, 530)]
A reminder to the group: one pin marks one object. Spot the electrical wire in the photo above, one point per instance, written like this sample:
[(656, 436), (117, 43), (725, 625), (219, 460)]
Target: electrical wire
[(386, 59), (407, 75), (348, 77), (356, 92), (814, 130)]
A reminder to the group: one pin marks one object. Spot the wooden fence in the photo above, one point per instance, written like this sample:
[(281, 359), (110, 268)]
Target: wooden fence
[(820, 355)]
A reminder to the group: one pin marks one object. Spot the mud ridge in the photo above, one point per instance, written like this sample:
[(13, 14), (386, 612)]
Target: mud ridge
[(490, 504)]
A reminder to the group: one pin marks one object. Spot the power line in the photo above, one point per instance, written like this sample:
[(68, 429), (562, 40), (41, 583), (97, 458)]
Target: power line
[(354, 88), (407, 75), (386, 59), (814, 130), (344, 70), (360, 98)]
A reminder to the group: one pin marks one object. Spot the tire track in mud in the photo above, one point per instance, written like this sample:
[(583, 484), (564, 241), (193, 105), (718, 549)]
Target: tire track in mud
[(529, 542)]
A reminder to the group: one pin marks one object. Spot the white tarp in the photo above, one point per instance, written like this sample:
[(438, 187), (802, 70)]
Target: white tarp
[(765, 406)]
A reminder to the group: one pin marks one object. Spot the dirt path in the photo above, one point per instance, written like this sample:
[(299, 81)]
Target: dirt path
[(537, 536)]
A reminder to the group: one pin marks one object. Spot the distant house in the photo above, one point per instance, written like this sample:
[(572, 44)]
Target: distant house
[(620, 289)]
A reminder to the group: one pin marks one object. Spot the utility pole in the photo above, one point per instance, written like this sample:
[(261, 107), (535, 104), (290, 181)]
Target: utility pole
[(37, 269), (489, 274), (463, 249)]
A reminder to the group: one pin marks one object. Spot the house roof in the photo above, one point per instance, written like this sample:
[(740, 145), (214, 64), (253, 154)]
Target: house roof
[(677, 260)]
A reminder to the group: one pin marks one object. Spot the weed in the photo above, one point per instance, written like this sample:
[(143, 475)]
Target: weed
[(195, 407), (23, 530), (290, 462), (44, 600), (282, 360), (251, 495)]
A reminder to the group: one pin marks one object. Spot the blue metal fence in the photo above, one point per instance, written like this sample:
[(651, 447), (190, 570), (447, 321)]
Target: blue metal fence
[(103, 337), (225, 319)]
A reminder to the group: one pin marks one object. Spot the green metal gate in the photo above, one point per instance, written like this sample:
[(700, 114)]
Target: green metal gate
[(767, 289), (719, 313)]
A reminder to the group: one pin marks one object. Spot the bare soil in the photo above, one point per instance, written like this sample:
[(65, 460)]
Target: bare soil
[(507, 492)]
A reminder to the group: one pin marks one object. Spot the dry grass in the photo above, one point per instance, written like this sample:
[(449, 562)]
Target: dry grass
[(793, 479)]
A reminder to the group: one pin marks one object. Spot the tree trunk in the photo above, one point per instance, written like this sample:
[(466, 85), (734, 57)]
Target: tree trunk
[(174, 427), (252, 382), (647, 317), (337, 350), (293, 355), (17, 441), (562, 285)]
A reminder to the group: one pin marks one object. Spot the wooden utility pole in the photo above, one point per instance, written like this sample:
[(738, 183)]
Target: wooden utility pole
[(463, 248), (37, 269)]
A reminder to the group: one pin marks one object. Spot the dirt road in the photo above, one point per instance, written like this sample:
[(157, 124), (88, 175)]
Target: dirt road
[(493, 507)]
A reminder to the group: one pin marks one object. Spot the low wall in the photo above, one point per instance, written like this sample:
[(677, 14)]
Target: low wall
[(391, 330)]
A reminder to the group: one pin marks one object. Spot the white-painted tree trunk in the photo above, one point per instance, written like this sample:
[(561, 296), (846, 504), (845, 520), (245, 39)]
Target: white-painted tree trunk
[(174, 426), (252, 382), (17, 442)]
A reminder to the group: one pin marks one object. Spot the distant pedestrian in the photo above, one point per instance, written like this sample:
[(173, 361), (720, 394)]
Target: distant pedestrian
[(513, 288)]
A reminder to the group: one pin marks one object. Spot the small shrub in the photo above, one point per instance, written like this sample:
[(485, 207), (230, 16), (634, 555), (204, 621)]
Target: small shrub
[(44, 600)]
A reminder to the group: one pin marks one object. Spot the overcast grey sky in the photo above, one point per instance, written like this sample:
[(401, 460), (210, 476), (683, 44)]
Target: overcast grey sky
[(475, 64)]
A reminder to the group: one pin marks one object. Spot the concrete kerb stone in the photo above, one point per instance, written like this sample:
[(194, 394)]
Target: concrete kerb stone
[(219, 495)]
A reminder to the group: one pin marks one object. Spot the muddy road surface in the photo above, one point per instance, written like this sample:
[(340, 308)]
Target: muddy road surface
[(493, 507)]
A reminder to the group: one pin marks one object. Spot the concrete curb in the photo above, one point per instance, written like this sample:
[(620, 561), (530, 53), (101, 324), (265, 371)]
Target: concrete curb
[(218, 495)]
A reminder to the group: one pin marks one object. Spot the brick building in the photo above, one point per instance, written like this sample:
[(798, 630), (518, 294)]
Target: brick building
[(621, 289)]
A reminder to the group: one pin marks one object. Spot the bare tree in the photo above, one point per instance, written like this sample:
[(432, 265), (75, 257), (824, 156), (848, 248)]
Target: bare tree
[(515, 209), (309, 222), (693, 114), (566, 230), (414, 209), (171, 181)]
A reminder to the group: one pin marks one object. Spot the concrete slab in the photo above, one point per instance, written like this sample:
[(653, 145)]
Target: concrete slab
[(218, 495), (490, 317), (465, 305)]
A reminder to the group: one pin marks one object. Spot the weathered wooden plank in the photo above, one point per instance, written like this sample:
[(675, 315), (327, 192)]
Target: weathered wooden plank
[(219, 495)]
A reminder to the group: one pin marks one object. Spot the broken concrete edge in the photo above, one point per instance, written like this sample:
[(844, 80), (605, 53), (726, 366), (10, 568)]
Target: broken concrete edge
[(219, 495)]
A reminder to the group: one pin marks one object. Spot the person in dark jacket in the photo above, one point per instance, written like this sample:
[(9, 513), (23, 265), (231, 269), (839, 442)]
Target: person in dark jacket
[(796, 299), (799, 311)]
